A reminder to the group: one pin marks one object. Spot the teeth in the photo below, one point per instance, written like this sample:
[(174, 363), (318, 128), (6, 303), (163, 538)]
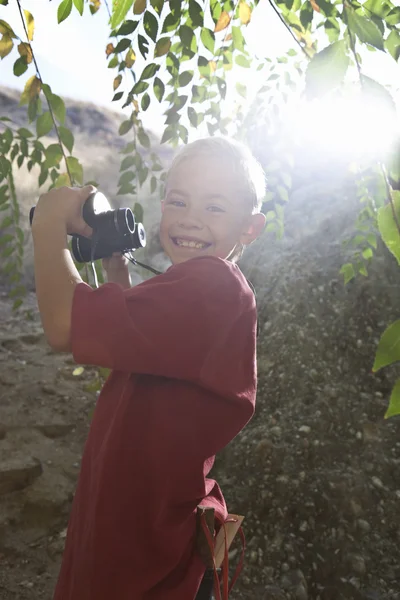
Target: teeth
[(188, 244)]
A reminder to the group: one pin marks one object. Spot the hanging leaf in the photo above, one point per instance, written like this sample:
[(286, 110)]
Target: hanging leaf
[(144, 138), (326, 69), (125, 127), (389, 223), (62, 181), (110, 49), (244, 13), (30, 24), (94, 6), (139, 7), (53, 154), (79, 6), (393, 44), (6, 45), (365, 29), (130, 58), (196, 14), (122, 45), (186, 34), (67, 137), (44, 124), (149, 71), (120, 9), (143, 45), (58, 106), (222, 22), (388, 351), (75, 168), (64, 10), (376, 91), (159, 89), (394, 402), (185, 78), (5, 29), (150, 25), (25, 51), (162, 47), (117, 82), (20, 66), (208, 39), (145, 102)]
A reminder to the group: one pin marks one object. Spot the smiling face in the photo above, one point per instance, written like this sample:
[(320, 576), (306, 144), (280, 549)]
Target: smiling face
[(205, 211)]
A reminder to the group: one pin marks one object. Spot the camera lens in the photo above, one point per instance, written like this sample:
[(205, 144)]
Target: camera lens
[(124, 221)]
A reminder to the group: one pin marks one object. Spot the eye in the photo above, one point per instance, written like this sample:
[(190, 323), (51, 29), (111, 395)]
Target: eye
[(176, 202), (216, 209)]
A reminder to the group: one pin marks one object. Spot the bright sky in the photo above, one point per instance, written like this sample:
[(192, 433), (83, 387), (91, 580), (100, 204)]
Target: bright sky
[(71, 56)]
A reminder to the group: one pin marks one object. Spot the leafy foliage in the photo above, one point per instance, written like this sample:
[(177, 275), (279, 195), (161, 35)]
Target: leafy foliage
[(188, 50)]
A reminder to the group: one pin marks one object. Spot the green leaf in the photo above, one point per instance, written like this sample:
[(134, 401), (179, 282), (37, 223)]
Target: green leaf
[(159, 89), (25, 133), (44, 124), (394, 402), (365, 30), (58, 106), (140, 87), (388, 225), (393, 18), (169, 133), (125, 127), (142, 175), (138, 212), (150, 25), (75, 169), (67, 137), (282, 193), (127, 28), (6, 45), (122, 45), (20, 66), (126, 178), (162, 47), (238, 39), (144, 138), (143, 45), (186, 34), (79, 6), (64, 10), (171, 23), (185, 78), (153, 184), (388, 350), (332, 29), (241, 89), (242, 61), (120, 9), (378, 92), (149, 71), (53, 155), (196, 14), (326, 69), (377, 7), (393, 44), (145, 102), (128, 161), (208, 38), (348, 272)]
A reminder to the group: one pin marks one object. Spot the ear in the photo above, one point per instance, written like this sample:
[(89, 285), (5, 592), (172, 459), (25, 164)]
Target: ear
[(255, 227)]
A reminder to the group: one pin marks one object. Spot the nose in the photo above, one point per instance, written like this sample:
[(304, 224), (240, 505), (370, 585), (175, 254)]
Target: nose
[(190, 220)]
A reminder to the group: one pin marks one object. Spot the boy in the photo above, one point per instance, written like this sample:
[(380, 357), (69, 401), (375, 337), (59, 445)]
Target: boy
[(181, 347)]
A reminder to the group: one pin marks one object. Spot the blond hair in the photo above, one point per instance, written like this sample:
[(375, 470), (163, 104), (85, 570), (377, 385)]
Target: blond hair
[(243, 163)]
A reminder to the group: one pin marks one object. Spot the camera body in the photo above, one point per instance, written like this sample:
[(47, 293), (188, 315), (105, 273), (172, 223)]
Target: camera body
[(113, 230)]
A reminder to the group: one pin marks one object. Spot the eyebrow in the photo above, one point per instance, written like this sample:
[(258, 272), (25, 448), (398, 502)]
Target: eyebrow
[(210, 196)]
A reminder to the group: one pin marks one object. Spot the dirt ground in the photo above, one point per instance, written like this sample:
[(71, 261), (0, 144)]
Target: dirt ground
[(44, 419)]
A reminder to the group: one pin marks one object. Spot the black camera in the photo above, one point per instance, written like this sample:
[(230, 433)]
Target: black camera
[(113, 230)]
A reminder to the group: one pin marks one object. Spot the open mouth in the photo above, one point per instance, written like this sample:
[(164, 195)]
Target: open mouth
[(192, 244)]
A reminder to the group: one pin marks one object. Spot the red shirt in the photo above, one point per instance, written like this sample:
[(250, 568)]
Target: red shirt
[(181, 347)]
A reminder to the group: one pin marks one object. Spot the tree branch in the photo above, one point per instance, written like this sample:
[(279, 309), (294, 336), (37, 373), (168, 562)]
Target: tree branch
[(71, 179), (274, 7)]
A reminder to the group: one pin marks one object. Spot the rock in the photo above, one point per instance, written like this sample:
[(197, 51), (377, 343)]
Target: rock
[(357, 564), (55, 430), (305, 429), (363, 525), (17, 473), (272, 592)]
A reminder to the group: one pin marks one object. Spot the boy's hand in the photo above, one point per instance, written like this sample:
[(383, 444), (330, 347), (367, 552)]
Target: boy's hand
[(116, 268), (63, 205)]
